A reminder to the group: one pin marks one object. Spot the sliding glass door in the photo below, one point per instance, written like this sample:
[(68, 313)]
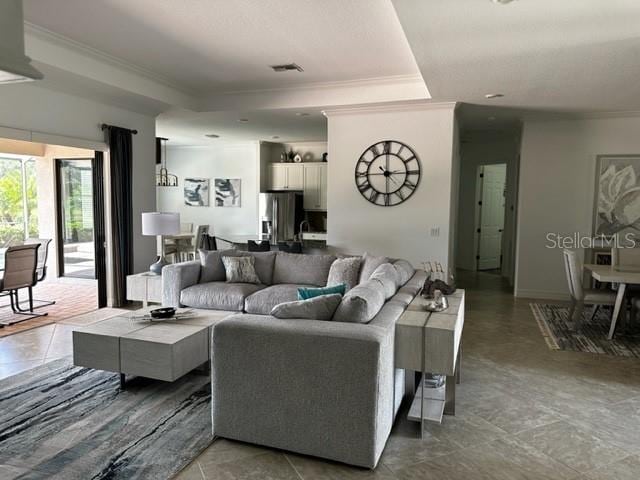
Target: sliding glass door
[(76, 249)]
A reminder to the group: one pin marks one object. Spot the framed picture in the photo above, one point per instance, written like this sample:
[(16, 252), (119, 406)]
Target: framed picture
[(617, 199), (196, 192), (227, 192)]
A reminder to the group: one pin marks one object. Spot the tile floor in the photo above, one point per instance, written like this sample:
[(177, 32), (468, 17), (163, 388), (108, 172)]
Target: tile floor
[(523, 411), (73, 296)]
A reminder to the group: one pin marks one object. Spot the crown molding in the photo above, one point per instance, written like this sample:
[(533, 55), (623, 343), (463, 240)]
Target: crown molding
[(98, 55), (390, 107)]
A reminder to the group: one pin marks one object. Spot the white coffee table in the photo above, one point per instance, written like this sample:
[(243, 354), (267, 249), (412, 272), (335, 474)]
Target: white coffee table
[(164, 350)]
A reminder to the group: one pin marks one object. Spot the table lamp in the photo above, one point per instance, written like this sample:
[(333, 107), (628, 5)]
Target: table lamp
[(159, 224)]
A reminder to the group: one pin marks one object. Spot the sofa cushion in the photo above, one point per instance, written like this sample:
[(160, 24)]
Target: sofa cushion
[(361, 303), (240, 269), (302, 269), (263, 301), (212, 267), (369, 264), (345, 270), (218, 295), (305, 293), (316, 308), (405, 271), (388, 277), (264, 265)]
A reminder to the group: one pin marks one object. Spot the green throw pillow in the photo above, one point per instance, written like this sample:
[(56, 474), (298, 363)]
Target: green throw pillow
[(305, 293)]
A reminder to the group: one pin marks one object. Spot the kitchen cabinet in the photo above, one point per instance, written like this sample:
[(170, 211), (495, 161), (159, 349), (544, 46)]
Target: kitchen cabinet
[(285, 176), (309, 177)]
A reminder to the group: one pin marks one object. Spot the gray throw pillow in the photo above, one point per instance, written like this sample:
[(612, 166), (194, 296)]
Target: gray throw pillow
[(240, 269), (388, 277), (369, 264), (361, 303), (316, 308), (405, 271), (212, 268), (344, 270)]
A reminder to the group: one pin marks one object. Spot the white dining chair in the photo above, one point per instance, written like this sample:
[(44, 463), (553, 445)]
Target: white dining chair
[(581, 296)]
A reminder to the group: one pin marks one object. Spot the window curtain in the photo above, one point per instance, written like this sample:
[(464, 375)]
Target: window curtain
[(120, 169)]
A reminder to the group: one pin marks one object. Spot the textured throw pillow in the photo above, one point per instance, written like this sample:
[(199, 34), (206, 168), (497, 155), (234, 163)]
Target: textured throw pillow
[(388, 277), (369, 264), (304, 293), (405, 271), (212, 267), (344, 270), (361, 303), (317, 308), (240, 270)]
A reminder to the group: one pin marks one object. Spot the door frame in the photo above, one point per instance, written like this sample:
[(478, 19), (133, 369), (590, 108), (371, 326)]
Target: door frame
[(478, 213), (99, 237)]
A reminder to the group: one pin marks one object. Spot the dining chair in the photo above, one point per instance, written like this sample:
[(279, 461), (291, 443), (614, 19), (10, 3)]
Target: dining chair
[(186, 228), (202, 233), (581, 296), (20, 271), (260, 246), (41, 268)]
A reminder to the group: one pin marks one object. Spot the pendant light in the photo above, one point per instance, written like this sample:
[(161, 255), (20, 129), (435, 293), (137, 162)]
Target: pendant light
[(163, 177)]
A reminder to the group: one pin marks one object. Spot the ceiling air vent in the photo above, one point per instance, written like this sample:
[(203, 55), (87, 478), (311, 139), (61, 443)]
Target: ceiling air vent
[(287, 67)]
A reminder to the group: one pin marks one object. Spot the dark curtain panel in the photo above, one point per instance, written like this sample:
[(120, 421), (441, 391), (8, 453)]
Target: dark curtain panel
[(120, 155), (99, 237)]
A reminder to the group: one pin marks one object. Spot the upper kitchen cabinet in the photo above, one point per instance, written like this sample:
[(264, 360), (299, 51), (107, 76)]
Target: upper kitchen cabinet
[(315, 186)]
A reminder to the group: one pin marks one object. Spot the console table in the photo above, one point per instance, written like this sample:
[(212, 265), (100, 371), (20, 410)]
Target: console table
[(430, 342)]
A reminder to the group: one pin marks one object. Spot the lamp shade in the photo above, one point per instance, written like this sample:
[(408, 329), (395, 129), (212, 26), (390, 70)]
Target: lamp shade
[(158, 223)]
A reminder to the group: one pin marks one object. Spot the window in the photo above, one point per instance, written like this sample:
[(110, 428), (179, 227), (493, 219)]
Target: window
[(18, 200)]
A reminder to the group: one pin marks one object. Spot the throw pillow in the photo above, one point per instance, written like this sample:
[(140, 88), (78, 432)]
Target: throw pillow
[(212, 267), (405, 271), (388, 277), (316, 308), (304, 293), (344, 270), (240, 269), (361, 303), (369, 264)]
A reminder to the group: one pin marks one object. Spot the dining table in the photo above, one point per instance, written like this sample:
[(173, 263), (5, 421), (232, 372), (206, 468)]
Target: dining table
[(623, 277)]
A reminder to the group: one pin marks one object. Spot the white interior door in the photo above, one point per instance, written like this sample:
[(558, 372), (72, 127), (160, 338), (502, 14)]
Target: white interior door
[(491, 221)]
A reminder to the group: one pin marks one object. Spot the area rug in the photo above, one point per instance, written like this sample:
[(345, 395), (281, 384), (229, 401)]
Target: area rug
[(58, 421), (559, 333)]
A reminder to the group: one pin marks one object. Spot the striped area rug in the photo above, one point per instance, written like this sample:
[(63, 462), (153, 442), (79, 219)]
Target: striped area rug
[(560, 334), (63, 422)]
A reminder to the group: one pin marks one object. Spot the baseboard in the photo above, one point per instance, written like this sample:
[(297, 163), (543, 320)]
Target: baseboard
[(542, 294)]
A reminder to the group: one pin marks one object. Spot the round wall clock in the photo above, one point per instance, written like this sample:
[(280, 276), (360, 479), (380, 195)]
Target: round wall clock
[(387, 173)]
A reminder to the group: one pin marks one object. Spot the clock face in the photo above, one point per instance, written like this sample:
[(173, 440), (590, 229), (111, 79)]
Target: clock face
[(387, 173)]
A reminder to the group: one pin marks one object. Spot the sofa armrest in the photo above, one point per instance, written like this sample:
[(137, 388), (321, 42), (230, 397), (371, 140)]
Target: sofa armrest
[(313, 387), (175, 278)]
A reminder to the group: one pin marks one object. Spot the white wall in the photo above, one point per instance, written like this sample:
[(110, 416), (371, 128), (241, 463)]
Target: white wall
[(354, 224), (28, 107), (226, 161), (556, 194), (484, 149)]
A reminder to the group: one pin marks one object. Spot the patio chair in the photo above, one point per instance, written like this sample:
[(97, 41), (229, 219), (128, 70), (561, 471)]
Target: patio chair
[(20, 271), (41, 268)]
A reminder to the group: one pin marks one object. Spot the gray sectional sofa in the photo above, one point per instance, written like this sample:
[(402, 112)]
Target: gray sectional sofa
[(322, 388)]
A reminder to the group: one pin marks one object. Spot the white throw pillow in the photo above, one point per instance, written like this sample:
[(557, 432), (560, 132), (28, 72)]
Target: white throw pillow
[(316, 308), (240, 269)]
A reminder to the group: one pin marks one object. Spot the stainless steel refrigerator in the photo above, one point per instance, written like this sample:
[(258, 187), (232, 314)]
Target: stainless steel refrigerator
[(279, 215)]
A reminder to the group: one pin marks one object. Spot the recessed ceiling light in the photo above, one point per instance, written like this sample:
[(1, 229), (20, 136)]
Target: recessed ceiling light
[(493, 95), (491, 119), (243, 120), (275, 137), (286, 67), (503, 2), (212, 135), (302, 114)]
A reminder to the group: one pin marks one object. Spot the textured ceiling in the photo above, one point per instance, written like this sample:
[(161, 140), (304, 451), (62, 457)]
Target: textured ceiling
[(560, 55), (211, 46)]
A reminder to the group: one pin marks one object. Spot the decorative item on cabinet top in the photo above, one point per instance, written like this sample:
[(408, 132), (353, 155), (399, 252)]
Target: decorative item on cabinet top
[(163, 177)]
